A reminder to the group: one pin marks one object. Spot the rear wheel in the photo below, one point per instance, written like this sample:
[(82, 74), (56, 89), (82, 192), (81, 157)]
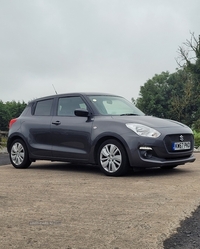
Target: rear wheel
[(19, 154), (112, 158)]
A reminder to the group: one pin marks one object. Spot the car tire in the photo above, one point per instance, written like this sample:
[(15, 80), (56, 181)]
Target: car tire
[(19, 154), (112, 158)]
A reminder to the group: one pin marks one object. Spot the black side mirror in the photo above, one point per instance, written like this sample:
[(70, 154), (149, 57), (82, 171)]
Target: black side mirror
[(81, 113)]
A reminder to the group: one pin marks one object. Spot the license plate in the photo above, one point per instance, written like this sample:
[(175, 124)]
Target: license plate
[(181, 146)]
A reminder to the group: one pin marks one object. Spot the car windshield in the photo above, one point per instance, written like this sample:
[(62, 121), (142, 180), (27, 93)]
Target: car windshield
[(114, 105)]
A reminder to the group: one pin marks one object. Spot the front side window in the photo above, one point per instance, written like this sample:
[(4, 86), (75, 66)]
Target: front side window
[(67, 105), (43, 107)]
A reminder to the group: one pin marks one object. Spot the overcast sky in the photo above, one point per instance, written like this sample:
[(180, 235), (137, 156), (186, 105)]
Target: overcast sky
[(111, 46)]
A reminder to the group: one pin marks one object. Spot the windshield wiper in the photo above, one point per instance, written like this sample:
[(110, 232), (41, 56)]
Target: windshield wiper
[(129, 114)]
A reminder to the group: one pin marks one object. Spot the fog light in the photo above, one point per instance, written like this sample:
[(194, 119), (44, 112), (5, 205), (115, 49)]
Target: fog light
[(145, 148), (146, 152)]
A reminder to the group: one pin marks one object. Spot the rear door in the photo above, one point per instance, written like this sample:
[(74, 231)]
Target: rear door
[(71, 135), (38, 127)]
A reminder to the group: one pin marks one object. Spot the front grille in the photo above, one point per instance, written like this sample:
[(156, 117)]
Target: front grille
[(171, 139)]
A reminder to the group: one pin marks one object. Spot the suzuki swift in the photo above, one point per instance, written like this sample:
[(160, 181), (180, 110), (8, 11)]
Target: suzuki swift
[(99, 129)]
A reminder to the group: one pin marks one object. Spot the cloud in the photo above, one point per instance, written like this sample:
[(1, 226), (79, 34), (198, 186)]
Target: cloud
[(108, 46)]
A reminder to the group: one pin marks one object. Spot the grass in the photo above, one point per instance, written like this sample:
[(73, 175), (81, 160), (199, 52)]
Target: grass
[(3, 141)]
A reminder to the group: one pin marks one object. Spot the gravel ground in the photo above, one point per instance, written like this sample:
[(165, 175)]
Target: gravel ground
[(187, 235)]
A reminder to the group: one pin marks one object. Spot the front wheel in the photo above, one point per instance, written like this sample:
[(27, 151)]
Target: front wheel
[(112, 158), (19, 154)]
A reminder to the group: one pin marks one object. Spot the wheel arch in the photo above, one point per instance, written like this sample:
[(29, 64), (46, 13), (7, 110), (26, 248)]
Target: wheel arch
[(103, 139), (13, 138)]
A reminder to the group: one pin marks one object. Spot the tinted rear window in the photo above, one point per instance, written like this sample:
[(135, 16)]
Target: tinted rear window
[(43, 107)]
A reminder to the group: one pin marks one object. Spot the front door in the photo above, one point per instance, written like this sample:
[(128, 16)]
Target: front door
[(71, 135)]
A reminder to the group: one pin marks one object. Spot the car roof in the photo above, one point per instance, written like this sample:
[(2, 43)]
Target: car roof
[(73, 94)]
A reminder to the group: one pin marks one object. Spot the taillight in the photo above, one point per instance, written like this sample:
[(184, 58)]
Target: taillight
[(12, 121)]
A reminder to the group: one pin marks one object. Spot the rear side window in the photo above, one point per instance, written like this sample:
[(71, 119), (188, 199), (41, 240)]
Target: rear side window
[(43, 107)]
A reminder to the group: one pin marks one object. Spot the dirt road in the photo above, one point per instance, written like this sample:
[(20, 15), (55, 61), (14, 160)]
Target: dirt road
[(57, 205)]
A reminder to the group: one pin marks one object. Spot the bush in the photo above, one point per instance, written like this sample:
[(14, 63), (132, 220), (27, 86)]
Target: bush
[(196, 125), (196, 138)]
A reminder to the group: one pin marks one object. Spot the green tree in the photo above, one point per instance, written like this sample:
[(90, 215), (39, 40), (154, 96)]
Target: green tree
[(176, 96), (181, 97), (189, 61), (4, 117), (8, 111), (153, 99), (15, 108), (168, 96)]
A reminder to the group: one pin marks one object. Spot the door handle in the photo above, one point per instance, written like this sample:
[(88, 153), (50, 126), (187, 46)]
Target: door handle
[(56, 123)]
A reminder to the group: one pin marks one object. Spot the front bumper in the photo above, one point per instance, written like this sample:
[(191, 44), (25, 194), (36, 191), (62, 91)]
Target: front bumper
[(150, 153), (152, 162)]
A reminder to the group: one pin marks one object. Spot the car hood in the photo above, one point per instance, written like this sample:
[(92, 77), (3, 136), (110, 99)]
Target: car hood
[(150, 121)]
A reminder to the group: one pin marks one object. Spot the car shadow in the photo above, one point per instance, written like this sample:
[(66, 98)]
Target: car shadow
[(93, 169), (153, 172), (64, 166)]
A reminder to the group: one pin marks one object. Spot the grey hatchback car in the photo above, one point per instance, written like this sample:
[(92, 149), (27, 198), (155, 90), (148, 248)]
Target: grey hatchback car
[(99, 129)]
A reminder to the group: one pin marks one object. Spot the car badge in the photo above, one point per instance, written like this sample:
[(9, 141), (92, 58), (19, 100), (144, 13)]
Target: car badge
[(181, 138)]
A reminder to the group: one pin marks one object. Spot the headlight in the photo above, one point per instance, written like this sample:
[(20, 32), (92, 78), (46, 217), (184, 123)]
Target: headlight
[(143, 130)]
